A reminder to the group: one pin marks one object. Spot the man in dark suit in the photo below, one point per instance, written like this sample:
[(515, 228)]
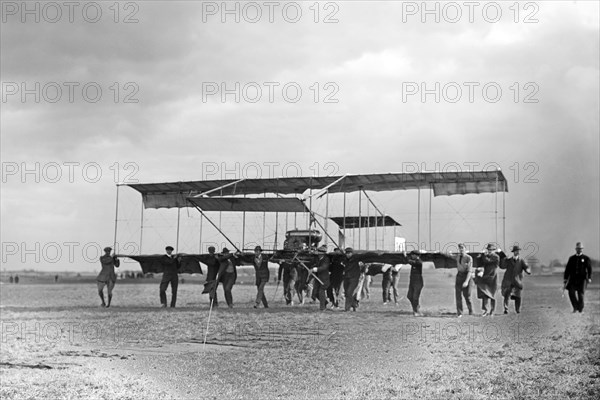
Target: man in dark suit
[(336, 277), (512, 283), (578, 273), (415, 282), (261, 268), (352, 271), (170, 265), (227, 274), (211, 275), (322, 272)]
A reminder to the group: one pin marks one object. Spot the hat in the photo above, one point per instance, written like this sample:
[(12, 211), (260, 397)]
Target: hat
[(322, 249), (107, 248), (349, 250), (579, 245), (258, 248), (490, 246), (515, 248), (414, 253), (225, 250), (169, 248), (211, 249)]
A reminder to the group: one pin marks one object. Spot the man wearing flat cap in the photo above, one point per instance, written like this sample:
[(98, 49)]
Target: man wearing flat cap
[(462, 283), (512, 283), (107, 276), (170, 264), (578, 273), (261, 268)]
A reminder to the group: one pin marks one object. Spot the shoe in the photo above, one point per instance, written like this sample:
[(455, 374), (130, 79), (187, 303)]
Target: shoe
[(484, 314), (385, 303), (574, 311), (104, 305), (416, 314), (163, 306), (518, 311), (470, 312), (459, 316), (506, 311)]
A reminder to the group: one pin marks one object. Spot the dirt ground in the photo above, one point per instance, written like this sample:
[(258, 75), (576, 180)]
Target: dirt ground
[(58, 343)]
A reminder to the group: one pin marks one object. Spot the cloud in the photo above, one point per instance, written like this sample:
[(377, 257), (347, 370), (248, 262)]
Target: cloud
[(363, 63)]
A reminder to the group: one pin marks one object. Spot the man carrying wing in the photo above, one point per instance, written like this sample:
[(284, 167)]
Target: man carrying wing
[(462, 285), (170, 276), (107, 276)]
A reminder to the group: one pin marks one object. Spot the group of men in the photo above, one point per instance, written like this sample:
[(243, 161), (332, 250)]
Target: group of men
[(578, 273), (324, 278), (485, 279)]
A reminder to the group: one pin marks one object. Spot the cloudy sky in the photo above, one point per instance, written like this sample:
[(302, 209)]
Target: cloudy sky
[(151, 91)]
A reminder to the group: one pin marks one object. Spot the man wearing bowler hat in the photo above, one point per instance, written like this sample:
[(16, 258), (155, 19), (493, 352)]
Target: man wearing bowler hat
[(170, 264), (107, 276), (486, 279), (578, 273), (512, 283)]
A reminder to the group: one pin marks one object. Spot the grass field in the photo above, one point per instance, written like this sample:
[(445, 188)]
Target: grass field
[(57, 343)]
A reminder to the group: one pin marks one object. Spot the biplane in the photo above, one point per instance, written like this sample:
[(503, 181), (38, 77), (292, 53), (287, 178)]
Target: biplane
[(296, 195)]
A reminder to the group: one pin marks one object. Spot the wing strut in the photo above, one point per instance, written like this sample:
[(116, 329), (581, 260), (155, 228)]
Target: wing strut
[(216, 227)]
